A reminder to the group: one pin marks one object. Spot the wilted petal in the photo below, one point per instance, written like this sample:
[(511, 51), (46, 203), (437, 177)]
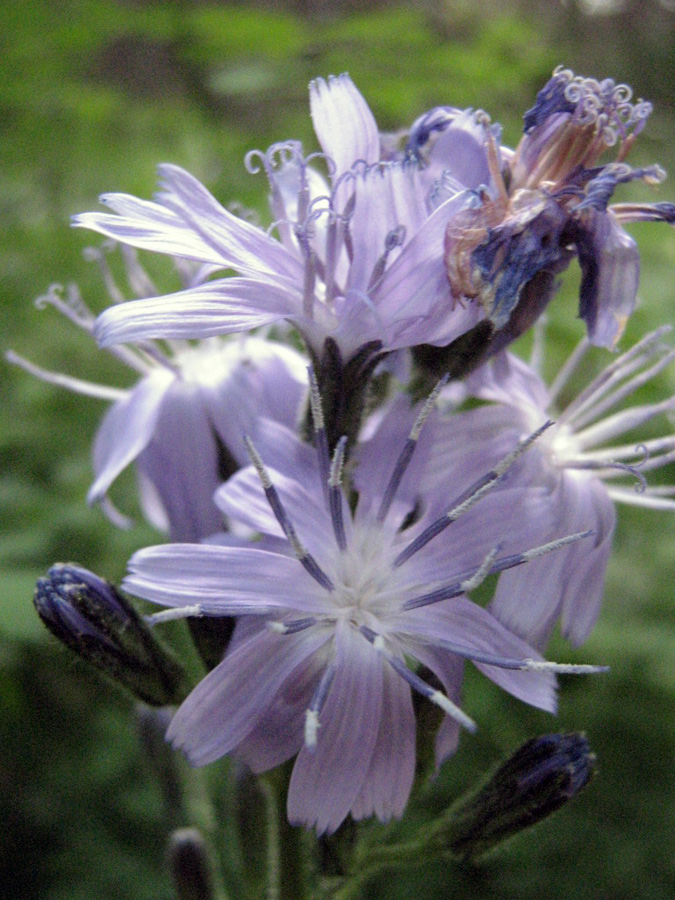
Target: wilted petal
[(610, 266)]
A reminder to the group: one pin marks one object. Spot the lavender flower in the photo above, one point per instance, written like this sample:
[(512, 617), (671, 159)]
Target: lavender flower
[(584, 473), (356, 259), (182, 423), (333, 604), (546, 202)]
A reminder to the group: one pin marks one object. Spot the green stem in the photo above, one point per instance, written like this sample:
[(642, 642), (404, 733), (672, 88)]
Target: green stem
[(200, 813), (288, 867)]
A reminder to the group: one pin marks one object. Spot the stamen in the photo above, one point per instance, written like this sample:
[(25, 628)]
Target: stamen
[(481, 572), (320, 436), (652, 498), (408, 449), (471, 496), (621, 368), (312, 723), (568, 369), (72, 307), (306, 559), (534, 665), (309, 271), (437, 697), (292, 627), (335, 493), (622, 468), (331, 256), (520, 665), (627, 420), (457, 588), (655, 453), (615, 397), (87, 388), (96, 255), (171, 615), (394, 239)]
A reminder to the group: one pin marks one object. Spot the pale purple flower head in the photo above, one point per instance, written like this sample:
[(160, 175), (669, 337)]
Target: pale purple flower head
[(355, 255), (335, 606), (583, 469), (183, 421)]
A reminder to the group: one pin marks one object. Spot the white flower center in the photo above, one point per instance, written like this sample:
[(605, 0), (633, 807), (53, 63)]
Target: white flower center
[(563, 445), (364, 577)]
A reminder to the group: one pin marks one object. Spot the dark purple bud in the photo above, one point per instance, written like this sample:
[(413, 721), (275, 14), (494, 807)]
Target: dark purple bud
[(190, 865), (92, 618), (539, 778)]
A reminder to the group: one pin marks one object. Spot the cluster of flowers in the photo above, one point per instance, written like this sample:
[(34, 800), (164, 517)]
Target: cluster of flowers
[(337, 508)]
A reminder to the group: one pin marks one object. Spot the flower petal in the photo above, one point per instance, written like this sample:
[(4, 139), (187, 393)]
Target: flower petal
[(126, 430), (529, 600), (181, 462), (228, 704), (217, 307), (280, 733), (223, 580), (460, 622), (190, 223), (244, 247), (328, 778), (449, 669), (387, 785), (343, 123), (610, 266)]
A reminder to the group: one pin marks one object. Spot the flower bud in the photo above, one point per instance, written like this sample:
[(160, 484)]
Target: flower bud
[(541, 776), (92, 618), (190, 865)]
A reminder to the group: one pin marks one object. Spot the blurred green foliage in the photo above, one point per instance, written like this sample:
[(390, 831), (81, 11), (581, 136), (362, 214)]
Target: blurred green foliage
[(94, 93)]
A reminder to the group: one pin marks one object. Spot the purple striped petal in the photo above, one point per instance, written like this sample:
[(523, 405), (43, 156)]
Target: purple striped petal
[(343, 123), (529, 600), (328, 778), (181, 462), (387, 785), (190, 223), (280, 733), (461, 622), (242, 498), (217, 307), (243, 246), (126, 430), (225, 581), (228, 704)]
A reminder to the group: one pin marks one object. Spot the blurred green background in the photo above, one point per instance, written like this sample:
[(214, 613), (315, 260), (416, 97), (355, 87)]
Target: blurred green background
[(93, 94)]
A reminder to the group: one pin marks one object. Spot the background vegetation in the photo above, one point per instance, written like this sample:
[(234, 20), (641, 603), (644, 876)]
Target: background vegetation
[(94, 93)]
